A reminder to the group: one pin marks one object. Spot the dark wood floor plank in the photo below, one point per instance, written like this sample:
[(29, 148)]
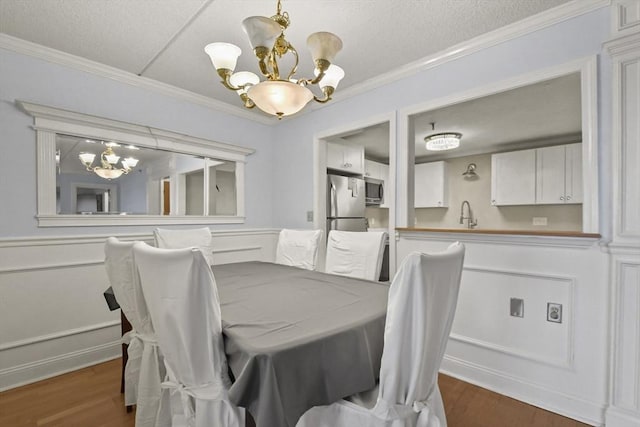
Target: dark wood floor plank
[(91, 397)]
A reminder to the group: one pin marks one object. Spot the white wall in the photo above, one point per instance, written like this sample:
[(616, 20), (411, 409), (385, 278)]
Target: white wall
[(26, 78), (53, 317), (559, 367), (293, 157)]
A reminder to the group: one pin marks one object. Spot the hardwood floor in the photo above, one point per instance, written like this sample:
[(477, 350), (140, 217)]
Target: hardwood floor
[(91, 398)]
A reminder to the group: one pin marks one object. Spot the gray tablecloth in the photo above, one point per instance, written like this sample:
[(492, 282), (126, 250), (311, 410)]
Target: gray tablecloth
[(296, 339)]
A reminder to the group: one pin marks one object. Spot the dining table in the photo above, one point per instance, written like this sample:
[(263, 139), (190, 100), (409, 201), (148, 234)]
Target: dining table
[(296, 338)]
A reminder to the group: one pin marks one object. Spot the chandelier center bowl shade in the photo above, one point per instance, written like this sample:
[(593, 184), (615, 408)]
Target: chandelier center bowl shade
[(278, 94)]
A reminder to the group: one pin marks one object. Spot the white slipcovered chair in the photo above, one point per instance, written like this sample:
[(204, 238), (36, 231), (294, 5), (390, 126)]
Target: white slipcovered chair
[(182, 297), (298, 248), (355, 254), (422, 302), (191, 238), (144, 369)]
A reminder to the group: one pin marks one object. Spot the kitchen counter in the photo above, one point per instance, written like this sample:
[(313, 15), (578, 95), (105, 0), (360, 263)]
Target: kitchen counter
[(501, 232)]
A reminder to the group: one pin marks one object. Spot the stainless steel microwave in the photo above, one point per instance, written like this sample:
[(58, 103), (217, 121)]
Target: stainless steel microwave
[(374, 191)]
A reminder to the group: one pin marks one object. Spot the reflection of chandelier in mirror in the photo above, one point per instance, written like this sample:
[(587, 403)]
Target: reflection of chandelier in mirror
[(442, 141), (108, 163), (277, 95)]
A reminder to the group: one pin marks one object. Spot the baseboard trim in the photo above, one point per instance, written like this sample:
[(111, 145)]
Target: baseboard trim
[(574, 407), (617, 417), (57, 335), (42, 369)]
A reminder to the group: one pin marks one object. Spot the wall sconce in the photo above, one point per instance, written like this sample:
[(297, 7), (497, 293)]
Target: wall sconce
[(470, 173)]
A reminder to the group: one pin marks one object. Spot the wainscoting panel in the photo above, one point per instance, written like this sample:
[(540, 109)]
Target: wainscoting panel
[(561, 367), (53, 316), (498, 330)]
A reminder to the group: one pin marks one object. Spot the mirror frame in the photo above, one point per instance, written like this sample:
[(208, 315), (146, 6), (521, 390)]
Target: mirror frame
[(49, 121), (588, 69)]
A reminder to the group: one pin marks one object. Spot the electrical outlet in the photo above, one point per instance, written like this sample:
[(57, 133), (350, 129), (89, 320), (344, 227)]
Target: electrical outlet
[(309, 216), (516, 307), (554, 312), (539, 220)]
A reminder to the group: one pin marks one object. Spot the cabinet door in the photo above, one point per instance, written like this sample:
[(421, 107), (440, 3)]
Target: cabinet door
[(345, 158), (371, 169), (335, 156), (573, 173), (430, 190), (354, 159), (550, 175), (513, 178)]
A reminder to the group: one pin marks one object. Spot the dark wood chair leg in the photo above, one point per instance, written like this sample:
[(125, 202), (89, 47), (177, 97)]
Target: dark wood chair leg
[(248, 420), (125, 327)]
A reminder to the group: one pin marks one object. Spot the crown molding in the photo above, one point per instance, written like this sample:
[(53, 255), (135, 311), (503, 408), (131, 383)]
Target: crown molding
[(528, 25), (24, 47), (622, 45)]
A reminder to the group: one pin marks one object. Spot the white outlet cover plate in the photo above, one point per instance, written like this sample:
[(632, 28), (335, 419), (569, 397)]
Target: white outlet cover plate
[(554, 312), (539, 220)]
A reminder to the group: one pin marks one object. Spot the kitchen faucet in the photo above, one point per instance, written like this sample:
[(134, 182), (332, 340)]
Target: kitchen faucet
[(470, 221)]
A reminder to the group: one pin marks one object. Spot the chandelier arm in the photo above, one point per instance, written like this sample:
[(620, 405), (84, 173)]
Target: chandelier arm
[(328, 91), (264, 56), (295, 66), (322, 65), (103, 160), (225, 75), (275, 71), (248, 102)]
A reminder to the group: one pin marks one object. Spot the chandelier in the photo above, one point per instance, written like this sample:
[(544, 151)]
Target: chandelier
[(280, 95), (108, 163), (442, 141)]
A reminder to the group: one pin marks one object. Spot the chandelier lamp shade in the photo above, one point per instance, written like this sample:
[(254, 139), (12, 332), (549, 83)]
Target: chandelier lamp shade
[(443, 141), (108, 168), (278, 94)]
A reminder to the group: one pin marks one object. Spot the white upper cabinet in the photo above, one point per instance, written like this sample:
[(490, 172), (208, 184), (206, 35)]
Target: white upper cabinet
[(513, 178), (371, 169), (431, 185), (548, 175), (559, 174), (573, 183), (345, 158)]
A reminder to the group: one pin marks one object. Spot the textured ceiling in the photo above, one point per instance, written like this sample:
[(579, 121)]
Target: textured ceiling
[(164, 39)]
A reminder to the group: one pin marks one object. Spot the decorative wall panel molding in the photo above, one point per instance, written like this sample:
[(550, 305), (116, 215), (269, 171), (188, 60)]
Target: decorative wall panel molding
[(624, 409), (561, 367), (626, 16), (52, 288), (552, 345)]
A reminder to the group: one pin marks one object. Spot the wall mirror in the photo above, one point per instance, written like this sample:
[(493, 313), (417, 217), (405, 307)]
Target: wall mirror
[(526, 158), (94, 171), (149, 181)]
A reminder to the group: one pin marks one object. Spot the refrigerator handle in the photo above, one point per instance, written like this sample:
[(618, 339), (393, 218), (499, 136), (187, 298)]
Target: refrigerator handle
[(334, 201)]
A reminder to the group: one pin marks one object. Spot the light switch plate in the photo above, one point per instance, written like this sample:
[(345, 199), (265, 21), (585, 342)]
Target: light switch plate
[(539, 220), (309, 216), (516, 307)]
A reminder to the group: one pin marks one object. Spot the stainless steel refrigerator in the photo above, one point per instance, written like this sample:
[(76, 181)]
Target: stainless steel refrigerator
[(345, 203)]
